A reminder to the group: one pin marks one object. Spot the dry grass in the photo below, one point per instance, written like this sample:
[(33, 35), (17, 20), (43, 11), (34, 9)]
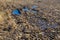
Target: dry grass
[(27, 26)]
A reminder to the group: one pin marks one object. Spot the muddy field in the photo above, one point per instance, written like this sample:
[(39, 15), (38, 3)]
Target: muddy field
[(29, 19)]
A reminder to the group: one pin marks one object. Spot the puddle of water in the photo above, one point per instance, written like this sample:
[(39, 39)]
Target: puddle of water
[(16, 12), (25, 9), (34, 6)]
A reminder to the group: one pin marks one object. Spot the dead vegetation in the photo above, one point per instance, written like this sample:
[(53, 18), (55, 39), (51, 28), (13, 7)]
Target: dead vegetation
[(42, 25)]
